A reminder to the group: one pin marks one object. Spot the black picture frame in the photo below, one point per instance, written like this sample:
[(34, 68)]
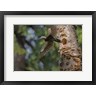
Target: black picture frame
[(2, 82)]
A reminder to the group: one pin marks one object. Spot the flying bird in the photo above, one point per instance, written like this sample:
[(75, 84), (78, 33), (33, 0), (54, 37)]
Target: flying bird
[(49, 41)]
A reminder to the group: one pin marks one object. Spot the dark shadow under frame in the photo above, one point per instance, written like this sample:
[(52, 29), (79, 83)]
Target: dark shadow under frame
[(2, 82)]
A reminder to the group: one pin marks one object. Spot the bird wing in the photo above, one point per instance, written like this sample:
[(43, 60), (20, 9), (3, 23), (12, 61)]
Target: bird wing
[(46, 48), (52, 31)]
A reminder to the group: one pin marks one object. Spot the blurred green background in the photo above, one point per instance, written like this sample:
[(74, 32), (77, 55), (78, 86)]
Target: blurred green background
[(27, 47)]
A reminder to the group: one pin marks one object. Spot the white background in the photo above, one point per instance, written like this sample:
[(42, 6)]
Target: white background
[(71, 5), (84, 75)]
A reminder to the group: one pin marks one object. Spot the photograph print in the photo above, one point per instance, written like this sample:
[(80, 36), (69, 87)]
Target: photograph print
[(48, 47)]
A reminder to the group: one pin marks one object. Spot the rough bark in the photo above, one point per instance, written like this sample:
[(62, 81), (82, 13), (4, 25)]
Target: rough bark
[(69, 50)]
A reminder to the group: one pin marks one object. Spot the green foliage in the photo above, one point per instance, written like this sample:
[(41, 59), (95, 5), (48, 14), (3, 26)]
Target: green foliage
[(17, 48), (23, 29), (79, 35)]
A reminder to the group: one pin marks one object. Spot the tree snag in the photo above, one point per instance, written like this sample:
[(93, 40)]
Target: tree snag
[(68, 48)]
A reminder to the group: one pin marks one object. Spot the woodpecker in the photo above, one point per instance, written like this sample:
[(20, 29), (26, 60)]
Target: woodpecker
[(49, 41)]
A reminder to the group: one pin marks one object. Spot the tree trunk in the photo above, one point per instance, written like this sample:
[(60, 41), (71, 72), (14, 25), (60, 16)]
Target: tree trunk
[(69, 50)]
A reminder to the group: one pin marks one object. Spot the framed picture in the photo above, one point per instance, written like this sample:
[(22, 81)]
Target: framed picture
[(47, 48)]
